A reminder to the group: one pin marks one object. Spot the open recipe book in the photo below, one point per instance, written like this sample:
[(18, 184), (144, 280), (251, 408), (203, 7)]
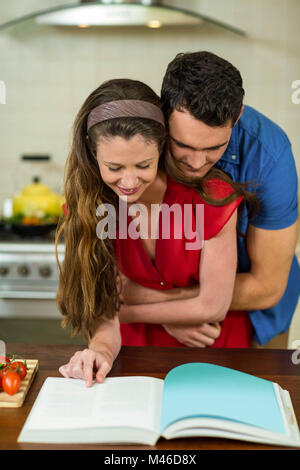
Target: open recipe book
[(195, 399)]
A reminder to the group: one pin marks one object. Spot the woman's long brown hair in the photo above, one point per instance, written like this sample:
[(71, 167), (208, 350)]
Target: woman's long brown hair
[(88, 278), (87, 288)]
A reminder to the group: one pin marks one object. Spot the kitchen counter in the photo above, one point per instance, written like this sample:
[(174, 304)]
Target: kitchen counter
[(270, 364)]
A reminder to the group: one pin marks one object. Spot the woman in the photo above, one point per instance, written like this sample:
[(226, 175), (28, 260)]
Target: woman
[(118, 152)]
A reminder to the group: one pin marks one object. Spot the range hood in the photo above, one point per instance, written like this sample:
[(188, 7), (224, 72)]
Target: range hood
[(151, 13)]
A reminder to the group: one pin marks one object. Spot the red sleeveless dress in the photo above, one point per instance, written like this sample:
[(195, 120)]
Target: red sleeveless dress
[(175, 266)]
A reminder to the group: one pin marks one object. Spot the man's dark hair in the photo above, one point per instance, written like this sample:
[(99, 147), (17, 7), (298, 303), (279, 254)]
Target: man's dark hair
[(207, 86)]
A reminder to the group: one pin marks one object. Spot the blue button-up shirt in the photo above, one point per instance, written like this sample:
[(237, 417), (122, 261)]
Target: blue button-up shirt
[(260, 151)]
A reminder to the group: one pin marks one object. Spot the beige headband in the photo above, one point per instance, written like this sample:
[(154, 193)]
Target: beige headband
[(125, 108)]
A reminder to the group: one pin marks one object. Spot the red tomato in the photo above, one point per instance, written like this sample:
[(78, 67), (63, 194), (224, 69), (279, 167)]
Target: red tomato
[(4, 360), (2, 372), (11, 382), (20, 367)]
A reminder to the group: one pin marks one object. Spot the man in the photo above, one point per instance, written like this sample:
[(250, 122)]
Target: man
[(208, 125)]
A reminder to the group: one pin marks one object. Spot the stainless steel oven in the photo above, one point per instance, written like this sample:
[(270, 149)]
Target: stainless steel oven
[(28, 283), (29, 278)]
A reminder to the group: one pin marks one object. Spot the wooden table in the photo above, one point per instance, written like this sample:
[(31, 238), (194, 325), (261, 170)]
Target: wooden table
[(270, 364)]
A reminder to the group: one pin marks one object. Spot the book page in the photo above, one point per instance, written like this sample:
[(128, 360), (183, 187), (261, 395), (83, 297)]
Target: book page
[(211, 391), (134, 401), (124, 401)]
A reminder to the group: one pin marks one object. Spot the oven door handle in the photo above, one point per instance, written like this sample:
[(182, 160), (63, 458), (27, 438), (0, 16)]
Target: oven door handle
[(5, 295)]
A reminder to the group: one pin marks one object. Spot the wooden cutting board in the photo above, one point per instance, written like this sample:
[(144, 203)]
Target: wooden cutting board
[(17, 400)]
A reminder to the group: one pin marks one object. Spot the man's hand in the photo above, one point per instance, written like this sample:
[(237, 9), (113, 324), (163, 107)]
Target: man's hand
[(195, 336), (135, 294)]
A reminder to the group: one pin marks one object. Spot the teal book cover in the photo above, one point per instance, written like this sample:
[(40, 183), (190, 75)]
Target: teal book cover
[(211, 391)]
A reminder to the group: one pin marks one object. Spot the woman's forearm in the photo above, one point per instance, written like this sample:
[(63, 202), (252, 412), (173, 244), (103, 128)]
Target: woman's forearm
[(107, 338), (180, 312)]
